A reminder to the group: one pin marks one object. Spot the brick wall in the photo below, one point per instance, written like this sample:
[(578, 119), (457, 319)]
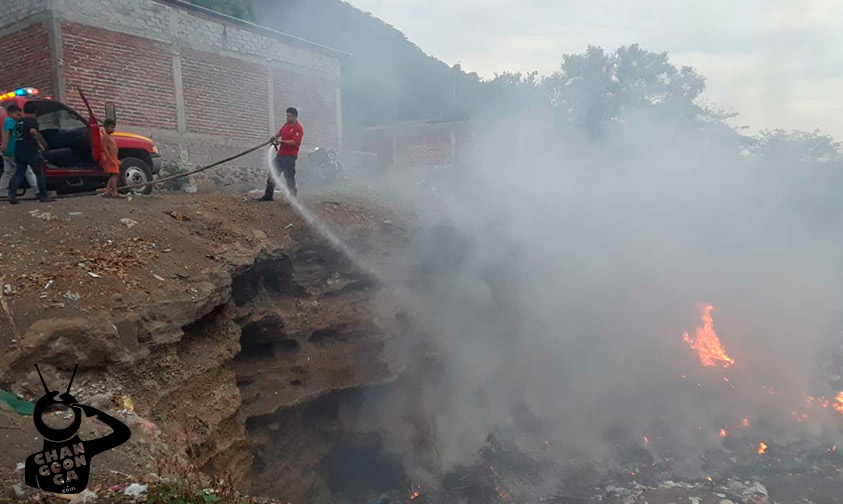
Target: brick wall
[(26, 59), (225, 96), (200, 85), (314, 98), (134, 72)]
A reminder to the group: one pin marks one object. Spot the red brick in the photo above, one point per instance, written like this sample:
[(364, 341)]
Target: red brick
[(133, 72), (26, 60)]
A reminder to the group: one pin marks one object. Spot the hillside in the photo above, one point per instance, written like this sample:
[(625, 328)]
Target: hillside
[(387, 78)]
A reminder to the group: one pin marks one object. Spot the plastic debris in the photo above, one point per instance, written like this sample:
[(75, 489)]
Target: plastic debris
[(129, 223), (10, 402), (135, 490), (73, 296), (86, 497)]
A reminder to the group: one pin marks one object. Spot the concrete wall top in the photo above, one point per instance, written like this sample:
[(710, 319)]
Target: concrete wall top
[(13, 11), (184, 25)]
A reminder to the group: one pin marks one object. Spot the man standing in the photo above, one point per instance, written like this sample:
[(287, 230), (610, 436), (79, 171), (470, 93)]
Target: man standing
[(29, 146), (289, 140), (7, 148)]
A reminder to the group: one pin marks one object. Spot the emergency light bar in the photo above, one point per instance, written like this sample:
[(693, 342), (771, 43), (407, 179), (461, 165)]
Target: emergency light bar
[(23, 92)]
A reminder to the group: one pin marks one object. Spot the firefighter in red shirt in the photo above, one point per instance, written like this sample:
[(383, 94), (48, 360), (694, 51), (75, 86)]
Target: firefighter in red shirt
[(289, 140)]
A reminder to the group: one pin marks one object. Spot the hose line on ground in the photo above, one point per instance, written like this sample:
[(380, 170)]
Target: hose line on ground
[(177, 176)]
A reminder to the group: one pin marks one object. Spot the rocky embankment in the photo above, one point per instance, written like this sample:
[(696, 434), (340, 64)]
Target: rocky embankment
[(213, 326)]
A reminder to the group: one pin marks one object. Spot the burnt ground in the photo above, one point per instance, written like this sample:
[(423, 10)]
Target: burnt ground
[(81, 257)]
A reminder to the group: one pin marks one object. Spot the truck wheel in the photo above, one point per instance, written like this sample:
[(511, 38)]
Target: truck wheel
[(134, 171)]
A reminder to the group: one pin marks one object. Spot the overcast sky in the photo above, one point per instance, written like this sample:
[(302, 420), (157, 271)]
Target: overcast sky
[(777, 62)]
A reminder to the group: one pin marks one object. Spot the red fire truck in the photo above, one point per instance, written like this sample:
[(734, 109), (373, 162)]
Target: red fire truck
[(70, 163)]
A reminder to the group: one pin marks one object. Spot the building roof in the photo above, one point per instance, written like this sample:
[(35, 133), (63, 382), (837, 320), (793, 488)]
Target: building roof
[(225, 18)]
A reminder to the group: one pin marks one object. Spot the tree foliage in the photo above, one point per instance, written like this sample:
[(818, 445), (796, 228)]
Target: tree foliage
[(592, 89), (241, 9)]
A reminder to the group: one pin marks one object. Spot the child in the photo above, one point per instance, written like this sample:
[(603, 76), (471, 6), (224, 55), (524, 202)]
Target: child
[(109, 160)]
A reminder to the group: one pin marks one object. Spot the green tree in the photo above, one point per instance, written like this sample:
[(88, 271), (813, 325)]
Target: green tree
[(592, 89), (807, 146), (241, 9)]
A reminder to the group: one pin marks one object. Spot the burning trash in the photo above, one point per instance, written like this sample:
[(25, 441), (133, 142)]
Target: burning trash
[(707, 344)]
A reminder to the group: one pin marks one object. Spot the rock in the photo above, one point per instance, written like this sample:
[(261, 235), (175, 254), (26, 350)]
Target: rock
[(86, 341), (129, 223), (19, 493), (135, 490), (726, 501)]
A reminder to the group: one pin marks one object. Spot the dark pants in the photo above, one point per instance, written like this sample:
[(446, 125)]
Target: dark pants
[(36, 162), (287, 166)]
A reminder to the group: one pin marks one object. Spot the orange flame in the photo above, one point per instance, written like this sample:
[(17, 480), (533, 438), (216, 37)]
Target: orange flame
[(762, 448), (838, 402), (646, 441), (707, 344), (723, 433)]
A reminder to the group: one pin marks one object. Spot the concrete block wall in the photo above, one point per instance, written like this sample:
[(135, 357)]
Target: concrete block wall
[(203, 86)]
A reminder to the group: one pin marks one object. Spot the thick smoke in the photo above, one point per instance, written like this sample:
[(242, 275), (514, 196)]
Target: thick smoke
[(558, 274)]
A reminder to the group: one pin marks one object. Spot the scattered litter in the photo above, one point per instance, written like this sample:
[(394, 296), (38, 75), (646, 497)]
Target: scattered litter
[(43, 216), (7, 289), (93, 275), (81, 265), (73, 296), (288, 226), (117, 488), (86, 497), (10, 402), (167, 250), (158, 277), (127, 403), (135, 490), (18, 491), (49, 284), (129, 223), (20, 466), (178, 215), (74, 213)]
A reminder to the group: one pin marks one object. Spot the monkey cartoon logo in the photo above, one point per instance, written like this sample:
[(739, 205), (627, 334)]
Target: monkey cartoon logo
[(63, 465)]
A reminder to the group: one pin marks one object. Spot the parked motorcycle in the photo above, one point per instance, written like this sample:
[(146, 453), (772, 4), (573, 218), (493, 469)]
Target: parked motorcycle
[(329, 168)]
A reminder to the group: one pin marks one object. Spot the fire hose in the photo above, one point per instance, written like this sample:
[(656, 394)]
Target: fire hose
[(179, 175)]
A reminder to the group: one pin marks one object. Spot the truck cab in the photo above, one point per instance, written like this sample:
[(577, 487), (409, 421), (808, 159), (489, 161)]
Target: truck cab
[(69, 162)]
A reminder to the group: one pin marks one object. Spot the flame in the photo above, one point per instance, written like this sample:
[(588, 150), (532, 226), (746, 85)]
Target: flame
[(415, 495), (646, 440), (745, 422), (502, 492), (708, 478), (838, 402), (762, 448), (723, 433), (707, 344)]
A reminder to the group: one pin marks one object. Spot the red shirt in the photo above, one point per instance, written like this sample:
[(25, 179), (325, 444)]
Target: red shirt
[(290, 131)]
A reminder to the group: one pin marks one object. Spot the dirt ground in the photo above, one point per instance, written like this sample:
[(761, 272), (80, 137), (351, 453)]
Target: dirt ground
[(99, 258), (96, 257)]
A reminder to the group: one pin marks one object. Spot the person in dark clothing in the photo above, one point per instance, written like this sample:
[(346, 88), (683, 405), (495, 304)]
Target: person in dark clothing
[(30, 145), (289, 140)]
